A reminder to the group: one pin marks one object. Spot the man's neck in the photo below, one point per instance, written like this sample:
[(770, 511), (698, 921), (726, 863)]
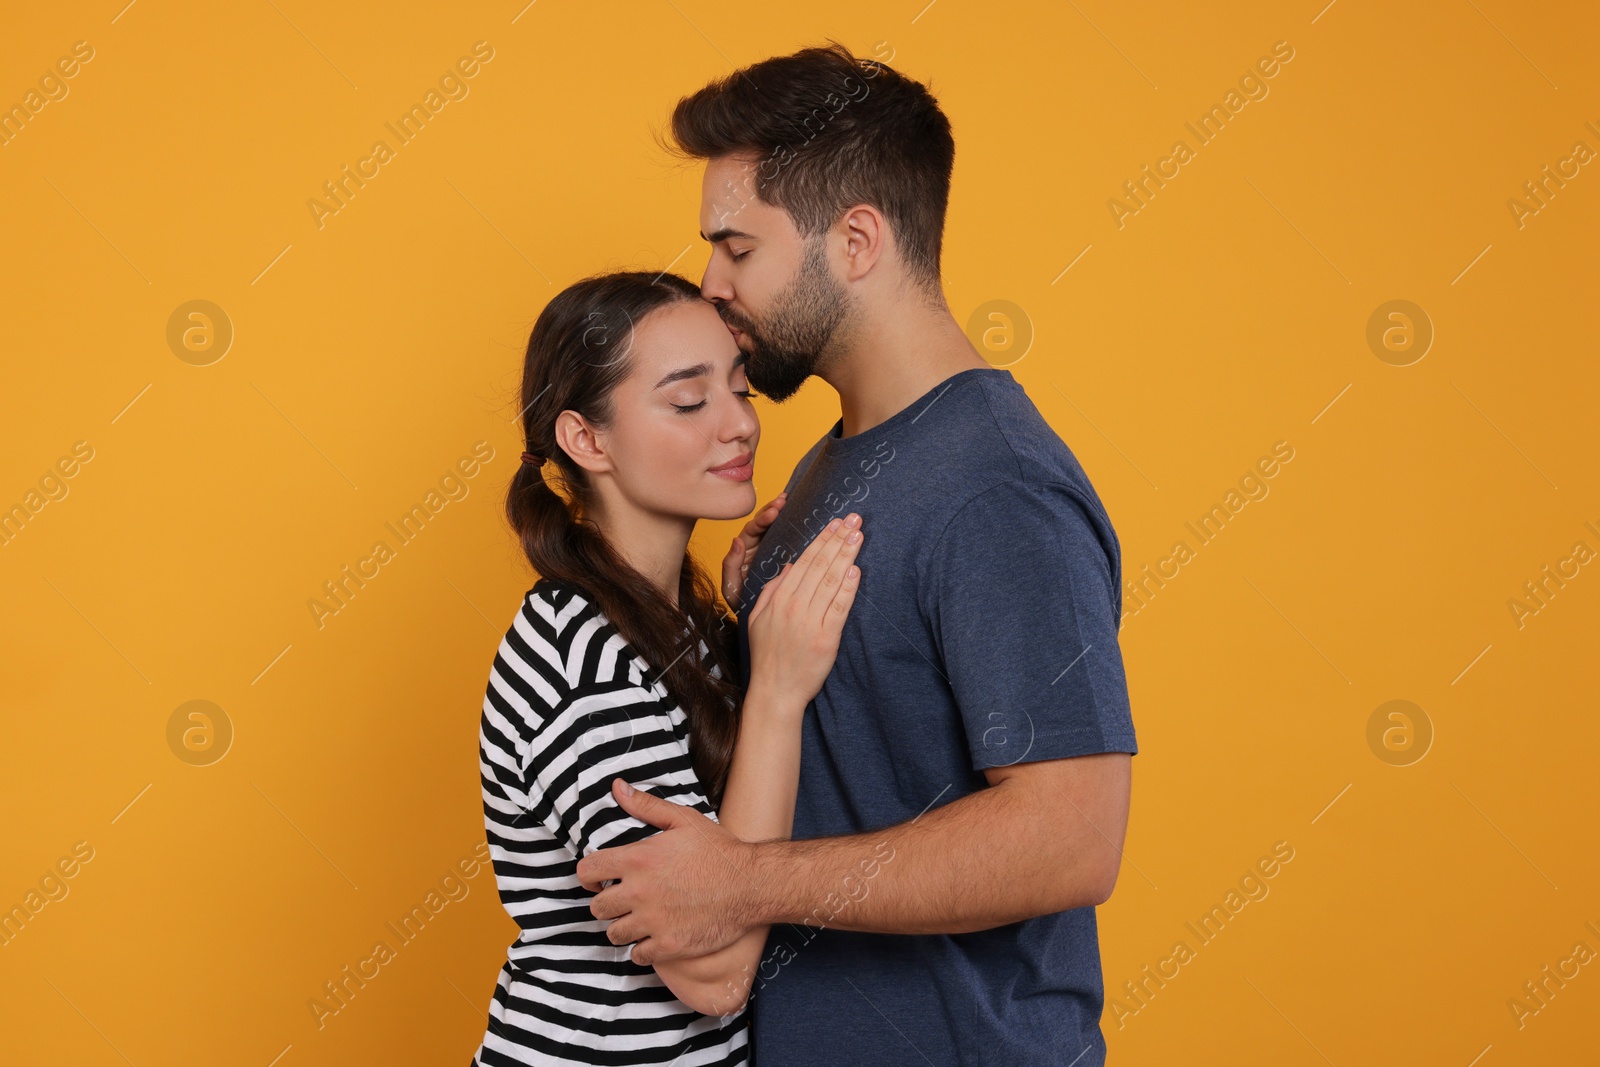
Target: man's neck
[(895, 359)]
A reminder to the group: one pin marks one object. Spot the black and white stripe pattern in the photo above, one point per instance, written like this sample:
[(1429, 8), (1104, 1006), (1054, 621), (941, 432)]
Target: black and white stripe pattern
[(569, 707)]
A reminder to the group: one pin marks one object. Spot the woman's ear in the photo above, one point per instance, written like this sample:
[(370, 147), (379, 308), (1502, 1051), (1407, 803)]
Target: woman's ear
[(578, 438)]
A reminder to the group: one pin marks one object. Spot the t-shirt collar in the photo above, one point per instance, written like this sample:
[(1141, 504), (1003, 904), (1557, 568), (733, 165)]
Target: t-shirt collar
[(835, 446)]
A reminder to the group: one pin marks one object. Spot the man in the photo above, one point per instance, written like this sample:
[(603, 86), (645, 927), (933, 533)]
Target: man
[(964, 781)]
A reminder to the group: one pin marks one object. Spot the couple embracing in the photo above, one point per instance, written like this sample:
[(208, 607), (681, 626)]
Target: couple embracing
[(857, 802)]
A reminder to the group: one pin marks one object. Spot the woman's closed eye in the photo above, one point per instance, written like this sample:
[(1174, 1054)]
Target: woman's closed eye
[(685, 409)]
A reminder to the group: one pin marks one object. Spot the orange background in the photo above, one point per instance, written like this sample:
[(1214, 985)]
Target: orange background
[(371, 353)]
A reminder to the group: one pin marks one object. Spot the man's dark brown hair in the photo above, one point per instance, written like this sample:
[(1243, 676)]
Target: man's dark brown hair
[(831, 131)]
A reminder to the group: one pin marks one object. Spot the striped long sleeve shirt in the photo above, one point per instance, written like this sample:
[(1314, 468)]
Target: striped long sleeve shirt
[(570, 706)]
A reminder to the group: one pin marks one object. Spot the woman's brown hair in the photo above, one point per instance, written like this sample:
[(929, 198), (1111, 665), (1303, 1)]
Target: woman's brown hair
[(577, 355)]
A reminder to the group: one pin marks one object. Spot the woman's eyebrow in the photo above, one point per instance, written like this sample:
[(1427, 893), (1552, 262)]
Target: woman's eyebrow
[(685, 372)]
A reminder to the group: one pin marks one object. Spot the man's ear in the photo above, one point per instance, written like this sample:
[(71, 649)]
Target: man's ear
[(866, 239), (580, 439)]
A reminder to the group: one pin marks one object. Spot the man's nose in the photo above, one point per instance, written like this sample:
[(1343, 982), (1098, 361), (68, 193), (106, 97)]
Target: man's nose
[(713, 285)]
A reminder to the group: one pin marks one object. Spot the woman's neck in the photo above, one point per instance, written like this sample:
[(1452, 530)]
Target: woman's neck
[(650, 543)]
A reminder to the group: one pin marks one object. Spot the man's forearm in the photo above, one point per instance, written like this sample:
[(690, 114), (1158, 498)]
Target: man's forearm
[(978, 862)]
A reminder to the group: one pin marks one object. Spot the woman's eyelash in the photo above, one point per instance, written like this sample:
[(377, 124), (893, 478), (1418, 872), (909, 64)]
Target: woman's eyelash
[(741, 255), (686, 409)]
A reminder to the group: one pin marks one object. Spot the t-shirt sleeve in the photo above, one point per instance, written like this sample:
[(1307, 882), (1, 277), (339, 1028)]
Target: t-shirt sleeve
[(583, 731), (1023, 599), (592, 739), (527, 680)]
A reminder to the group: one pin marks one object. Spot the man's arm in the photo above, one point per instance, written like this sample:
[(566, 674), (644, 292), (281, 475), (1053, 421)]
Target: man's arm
[(1045, 836)]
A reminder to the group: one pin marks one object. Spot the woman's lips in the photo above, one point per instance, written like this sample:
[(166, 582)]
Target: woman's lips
[(740, 470)]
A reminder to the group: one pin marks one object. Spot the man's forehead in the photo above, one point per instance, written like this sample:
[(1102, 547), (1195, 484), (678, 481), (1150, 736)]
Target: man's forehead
[(728, 191), (731, 172)]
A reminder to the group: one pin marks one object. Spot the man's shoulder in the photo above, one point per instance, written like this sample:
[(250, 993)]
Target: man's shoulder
[(1022, 434), (1011, 454), (989, 510)]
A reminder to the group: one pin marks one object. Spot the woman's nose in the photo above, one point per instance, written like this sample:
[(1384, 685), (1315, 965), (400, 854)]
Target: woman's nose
[(743, 421)]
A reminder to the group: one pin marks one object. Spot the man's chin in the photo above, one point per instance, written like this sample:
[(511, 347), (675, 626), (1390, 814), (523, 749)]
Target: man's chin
[(760, 360), (776, 395)]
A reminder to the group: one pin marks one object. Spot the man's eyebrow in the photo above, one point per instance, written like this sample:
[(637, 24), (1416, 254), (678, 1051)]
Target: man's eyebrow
[(724, 234), (685, 372)]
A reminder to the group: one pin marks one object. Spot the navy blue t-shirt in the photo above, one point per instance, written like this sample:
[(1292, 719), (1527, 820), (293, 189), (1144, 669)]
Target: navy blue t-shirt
[(984, 634)]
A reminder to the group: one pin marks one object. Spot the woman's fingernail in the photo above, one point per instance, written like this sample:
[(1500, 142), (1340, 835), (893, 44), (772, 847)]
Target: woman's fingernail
[(853, 520)]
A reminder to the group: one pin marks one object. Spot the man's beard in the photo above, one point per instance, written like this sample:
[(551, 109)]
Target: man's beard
[(785, 350)]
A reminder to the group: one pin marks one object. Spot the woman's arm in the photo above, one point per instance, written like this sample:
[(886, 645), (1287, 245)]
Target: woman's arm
[(794, 637), (757, 805)]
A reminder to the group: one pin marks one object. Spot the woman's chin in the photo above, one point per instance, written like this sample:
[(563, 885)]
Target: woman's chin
[(735, 502)]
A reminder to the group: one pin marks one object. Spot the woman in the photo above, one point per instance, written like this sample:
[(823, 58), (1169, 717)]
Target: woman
[(638, 421)]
